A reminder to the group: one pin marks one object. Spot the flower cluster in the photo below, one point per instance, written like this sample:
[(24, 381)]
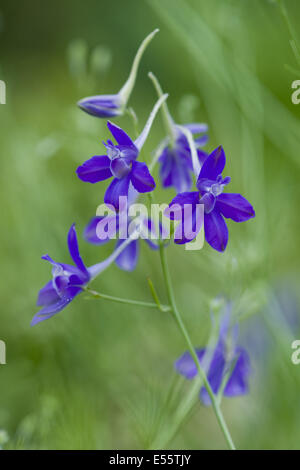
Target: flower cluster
[(181, 158), (199, 203)]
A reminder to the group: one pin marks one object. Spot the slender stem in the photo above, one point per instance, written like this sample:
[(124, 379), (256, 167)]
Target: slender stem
[(169, 124), (129, 84), (121, 300), (189, 343), (139, 142)]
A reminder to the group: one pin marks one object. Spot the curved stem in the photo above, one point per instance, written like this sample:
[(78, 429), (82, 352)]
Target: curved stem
[(121, 300), (129, 84), (183, 330), (169, 124), (139, 142)]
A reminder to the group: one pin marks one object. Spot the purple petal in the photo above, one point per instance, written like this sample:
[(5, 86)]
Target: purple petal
[(121, 137), (186, 366), (216, 232), (128, 258), (90, 233), (95, 169), (215, 374), (141, 178), (101, 106), (116, 189), (47, 295), (201, 141), (202, 156), (213, 165), (74, 250), (235, 207), (238, 381), (50, 310), (208, 200), (166, 160), (197, 128), (176, 206), (190, 225), (120, 167), (175, 167)]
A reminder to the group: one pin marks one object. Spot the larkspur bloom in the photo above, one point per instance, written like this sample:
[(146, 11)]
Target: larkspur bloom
[(217, 206), (68, 280), (128, 258), (226, 365), (174, 152), (107, 106), (121, 163), (176, 166)]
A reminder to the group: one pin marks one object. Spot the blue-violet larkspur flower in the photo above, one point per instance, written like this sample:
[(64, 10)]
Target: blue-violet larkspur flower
[(210, 185), (68, 280), (108, 106), (227, 362), (176, 164), (121, 163)]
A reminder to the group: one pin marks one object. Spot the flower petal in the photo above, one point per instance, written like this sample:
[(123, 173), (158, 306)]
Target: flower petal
[(214, 164), (95, 169), (190, 225), (117, 188), (47, 295), (90, 232), (128, 258), (50, 310), (235, 207), (238, 381), (215, 374), (141, 178), (74, 250), (101, 106), (216, 231), (176, 206), (202, 156), (186, 366), (197, 127), (120, 167), (121, 137)]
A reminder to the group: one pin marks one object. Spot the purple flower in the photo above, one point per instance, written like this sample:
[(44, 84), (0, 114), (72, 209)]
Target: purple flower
[(107, 106), (217, 206), (67, 280), (176, 161), (66, 283), (121, 163), (103, 106), (228, 362), (128, 258)]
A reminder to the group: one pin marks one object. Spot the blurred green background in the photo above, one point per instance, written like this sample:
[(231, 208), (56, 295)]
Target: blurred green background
[(98, 375)]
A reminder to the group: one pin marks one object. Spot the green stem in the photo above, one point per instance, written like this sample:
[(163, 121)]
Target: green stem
[(202, 374), (120, 300), (129, 84), (169, 125)]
